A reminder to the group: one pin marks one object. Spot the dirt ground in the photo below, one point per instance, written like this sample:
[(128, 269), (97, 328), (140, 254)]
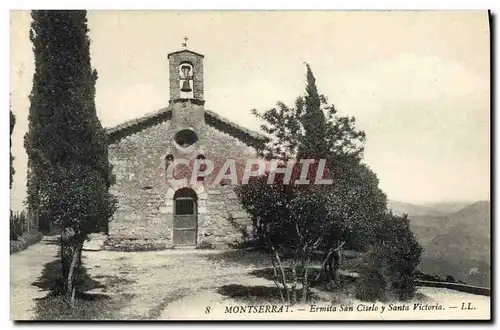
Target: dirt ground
[(25, 267), (154, 280), (198, 284)]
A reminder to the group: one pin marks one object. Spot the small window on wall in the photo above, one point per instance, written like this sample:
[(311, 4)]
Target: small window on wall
[(203, 167), (168, 160), (184, 206), (185, 202)]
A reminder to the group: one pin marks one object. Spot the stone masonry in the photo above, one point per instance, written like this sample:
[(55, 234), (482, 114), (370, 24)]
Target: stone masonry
[(145, 215)]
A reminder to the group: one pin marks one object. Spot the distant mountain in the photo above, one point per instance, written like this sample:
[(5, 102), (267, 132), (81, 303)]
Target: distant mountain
[(448, 207), (412, 209), (455, 243)]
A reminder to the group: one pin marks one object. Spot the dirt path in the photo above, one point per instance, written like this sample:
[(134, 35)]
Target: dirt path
[(153, 280), (182, 284), (25, 268)]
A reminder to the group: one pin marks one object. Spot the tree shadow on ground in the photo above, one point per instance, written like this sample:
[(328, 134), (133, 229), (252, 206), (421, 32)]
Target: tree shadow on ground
[(257, 293), (345, 287), (51, 279), (319, 285), (87, 305), (316, 276), (251, 257)]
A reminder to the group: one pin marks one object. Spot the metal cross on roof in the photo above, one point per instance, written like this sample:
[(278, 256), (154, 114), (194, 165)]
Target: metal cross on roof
[(184, 44)]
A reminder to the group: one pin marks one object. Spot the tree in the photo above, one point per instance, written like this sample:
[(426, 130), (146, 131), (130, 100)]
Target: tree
[(12, 124), (12, 170), (311, 129), (302, 218), (69, 172)]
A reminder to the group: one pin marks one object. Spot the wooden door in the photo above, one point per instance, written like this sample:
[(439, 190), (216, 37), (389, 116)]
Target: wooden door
[(185, 221)]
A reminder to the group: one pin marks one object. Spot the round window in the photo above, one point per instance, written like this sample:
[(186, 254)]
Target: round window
[(186, 138)]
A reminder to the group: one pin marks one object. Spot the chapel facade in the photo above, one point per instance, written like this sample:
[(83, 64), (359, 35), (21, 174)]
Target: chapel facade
[(153, 213)]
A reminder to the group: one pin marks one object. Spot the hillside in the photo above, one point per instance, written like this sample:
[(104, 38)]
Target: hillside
[(456, 243), (412, 209), (448, 207)]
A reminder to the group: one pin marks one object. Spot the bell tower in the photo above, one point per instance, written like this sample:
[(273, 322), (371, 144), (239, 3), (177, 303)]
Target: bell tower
[(186, 75), (186, 136)]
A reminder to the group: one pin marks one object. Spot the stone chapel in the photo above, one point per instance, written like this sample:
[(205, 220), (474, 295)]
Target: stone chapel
[(152, 214)]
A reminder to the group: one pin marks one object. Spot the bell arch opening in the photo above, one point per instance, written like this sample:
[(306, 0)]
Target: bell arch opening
[(186, 70)]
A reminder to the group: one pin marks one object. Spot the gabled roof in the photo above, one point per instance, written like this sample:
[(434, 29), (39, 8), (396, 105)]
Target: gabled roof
[(185, 51), (251, 138)]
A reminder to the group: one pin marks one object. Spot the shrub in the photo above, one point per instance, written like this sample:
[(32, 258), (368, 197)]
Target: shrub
[(391, 265), (371, 286), (29, 238), (450, 279), (373, 283), (404, 254)]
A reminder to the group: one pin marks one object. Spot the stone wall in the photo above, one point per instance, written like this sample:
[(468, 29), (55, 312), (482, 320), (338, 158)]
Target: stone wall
[(225, 219), (138, 164), (144, 217)]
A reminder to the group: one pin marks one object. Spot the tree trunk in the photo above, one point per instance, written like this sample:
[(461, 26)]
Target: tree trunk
[(275, 278), (71, 251), (305, 288), (338, 265), (326, 266), (73, 271), (283, 276), (293, 286), (66, 256), (336, 260)]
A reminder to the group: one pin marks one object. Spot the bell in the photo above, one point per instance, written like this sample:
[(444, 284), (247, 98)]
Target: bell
[(185, 86), (185, 73)]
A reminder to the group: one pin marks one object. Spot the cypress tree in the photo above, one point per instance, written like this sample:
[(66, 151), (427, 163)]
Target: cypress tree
[(313, 144), (69, 172), (12, 124)]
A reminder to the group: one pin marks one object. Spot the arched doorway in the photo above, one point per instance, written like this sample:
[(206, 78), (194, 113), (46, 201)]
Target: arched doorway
[(185, 226)]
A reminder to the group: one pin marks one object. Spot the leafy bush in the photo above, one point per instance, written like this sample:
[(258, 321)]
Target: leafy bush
[(391, 264), (404, 254), (371, 285), (29, 238)]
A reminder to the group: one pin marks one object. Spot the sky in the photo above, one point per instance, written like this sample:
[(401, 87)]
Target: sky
[(418, 83)]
